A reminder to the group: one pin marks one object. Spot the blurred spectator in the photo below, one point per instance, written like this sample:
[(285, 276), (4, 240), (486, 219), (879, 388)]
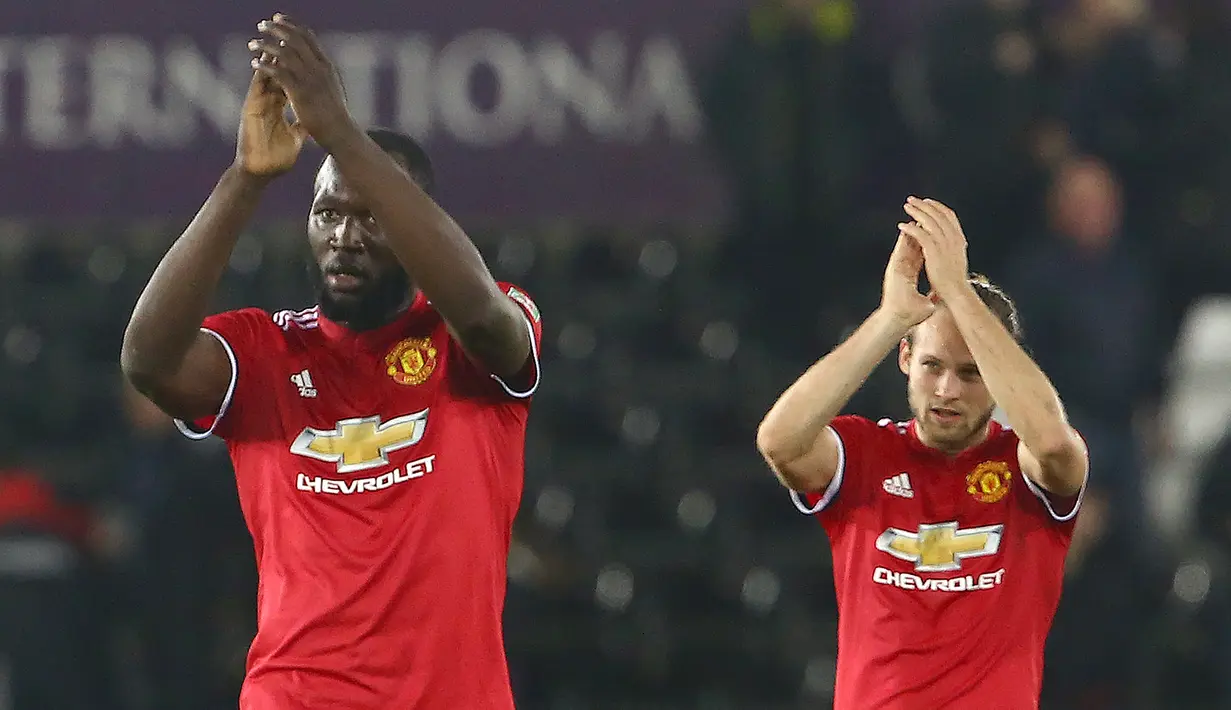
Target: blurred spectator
[(1089, 305), (1094, 659), (178, 505), (50, 631), (1151, 99), (1117, 95), (1192, 188), (1214, 532), (798, 112), (983, 105)]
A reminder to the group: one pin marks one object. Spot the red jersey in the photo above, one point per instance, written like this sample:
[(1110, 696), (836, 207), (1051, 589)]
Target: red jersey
[(379, 473), (947, 570)]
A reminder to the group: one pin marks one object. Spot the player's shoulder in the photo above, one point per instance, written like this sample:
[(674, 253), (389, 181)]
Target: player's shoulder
[(866, 439), (1003, 436), (258, 326), (284, 320), (856, 425)]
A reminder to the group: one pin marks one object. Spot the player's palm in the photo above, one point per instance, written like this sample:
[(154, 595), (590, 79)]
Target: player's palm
[(901, 296), (268, 143)]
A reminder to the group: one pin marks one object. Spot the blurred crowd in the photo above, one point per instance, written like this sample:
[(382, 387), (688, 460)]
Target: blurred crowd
[(1086, 146)]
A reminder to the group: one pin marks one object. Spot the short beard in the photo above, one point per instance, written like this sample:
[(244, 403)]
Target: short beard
[(374, 306), (948, 444)]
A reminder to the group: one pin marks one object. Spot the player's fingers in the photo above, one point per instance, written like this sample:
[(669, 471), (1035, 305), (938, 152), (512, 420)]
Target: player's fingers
[(290, 41), (296, 125), (278, 30), (270, 47), (925, 205), (256, 89), (917, 233), (906, 245), (922, 217), (942, 208), (301, 37), (899, 248), (305, 34), (944, 218), (276, 73), (287, 21), (909, 253), (941, 222), (263, 94), (936, 221), (945, 212), (913, 247), (277, 97)]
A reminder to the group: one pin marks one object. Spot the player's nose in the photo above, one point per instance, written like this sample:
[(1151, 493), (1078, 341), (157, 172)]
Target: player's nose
[(948, 386), (348, 234)]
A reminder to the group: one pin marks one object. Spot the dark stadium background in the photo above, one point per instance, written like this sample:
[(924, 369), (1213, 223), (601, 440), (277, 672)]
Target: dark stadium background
[(700, 195)]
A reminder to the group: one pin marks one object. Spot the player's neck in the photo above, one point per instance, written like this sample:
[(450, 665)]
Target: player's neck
[(376, 319)]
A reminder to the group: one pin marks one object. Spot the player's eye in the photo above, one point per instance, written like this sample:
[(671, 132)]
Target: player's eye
[(327, 214)]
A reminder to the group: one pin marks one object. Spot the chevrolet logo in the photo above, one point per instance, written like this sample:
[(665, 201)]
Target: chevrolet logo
[(359, 444), (940, 547)]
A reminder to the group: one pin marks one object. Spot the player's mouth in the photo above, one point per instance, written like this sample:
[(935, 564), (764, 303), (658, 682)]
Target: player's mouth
[(945, 415), (345, 279)]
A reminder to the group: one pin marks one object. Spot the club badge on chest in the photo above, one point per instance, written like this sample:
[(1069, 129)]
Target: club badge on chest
[(989, 481), (411, 361)]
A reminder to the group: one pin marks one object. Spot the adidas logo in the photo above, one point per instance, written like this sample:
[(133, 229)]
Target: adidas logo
[(899, 485), (303, 382)]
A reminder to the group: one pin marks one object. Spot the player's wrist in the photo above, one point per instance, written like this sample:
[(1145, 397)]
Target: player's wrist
[(340, 136), (957, 291), (238, 172), (889, 325)]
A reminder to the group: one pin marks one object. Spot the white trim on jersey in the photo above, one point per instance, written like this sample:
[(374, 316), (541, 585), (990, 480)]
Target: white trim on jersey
[(183, 426), (886, 422), (306, 319), (1051, 510), (534, 356), (831, 491)]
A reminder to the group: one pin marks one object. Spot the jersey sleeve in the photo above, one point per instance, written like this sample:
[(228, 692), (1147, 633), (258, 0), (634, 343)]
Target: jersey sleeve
[(247, 337), (854, 436), (523, 385), (1060, 509)]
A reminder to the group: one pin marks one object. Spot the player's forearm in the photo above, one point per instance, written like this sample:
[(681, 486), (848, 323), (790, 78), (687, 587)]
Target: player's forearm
[(169, 312), (1022, 390), (806, 408), (439, 257)]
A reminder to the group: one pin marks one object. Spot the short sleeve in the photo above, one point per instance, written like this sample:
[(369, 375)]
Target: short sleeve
[(525, 383), (1062, 509), (247, 337), (854, 436)]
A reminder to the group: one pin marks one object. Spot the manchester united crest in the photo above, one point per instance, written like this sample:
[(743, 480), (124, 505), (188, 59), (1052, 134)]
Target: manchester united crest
[(411, 361), (989, 482)]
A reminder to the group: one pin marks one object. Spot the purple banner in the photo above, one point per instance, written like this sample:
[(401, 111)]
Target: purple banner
[(554, 108)]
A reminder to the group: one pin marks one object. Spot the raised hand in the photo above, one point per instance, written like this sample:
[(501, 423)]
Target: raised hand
[(268, 143), (900, 295), (293, 58), (938, 232)]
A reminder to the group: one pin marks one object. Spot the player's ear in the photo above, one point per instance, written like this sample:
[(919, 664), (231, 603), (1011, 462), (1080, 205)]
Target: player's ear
[(904, 356)]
